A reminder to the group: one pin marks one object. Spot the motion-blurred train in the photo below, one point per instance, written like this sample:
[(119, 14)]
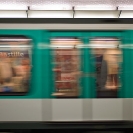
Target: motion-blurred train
[(66, 72)]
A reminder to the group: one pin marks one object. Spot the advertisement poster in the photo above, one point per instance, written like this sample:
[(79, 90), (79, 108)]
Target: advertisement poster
[(14, 66), (67, 62)]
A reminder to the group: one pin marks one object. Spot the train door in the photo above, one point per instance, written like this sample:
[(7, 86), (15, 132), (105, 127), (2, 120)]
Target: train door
[(107, 55), (64, 85), (66, 64), (127, 74)]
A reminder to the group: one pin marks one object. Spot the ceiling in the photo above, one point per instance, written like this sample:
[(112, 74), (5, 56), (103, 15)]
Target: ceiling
[(66, 8), (68, 2), (102, 3)]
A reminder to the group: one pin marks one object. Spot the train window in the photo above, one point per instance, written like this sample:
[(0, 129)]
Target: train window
[(15, 60), (108, 58), (66, 60)]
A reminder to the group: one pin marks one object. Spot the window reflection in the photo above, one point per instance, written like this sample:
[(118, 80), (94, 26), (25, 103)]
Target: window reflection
[(67, 67), (15, 65), (108, 58), (112, 57)]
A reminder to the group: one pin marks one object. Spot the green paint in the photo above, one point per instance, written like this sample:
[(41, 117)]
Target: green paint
[(127, 74), (42, 82)]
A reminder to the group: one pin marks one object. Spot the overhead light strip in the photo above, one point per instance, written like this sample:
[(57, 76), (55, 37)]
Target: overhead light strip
[(13, 7), (14, 46), (64, 7), (6, 40), (125, 8), (46, 46), (97, 46), (51, 7), (95, 7)]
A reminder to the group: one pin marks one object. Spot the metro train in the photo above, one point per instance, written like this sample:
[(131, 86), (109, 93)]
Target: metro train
[(63, 72)]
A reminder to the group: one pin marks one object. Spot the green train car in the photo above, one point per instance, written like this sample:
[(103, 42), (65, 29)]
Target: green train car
[(64, 72)]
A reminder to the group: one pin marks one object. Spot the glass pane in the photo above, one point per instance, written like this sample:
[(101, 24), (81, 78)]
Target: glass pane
[(66, 60), (15, 60), (108, 59)]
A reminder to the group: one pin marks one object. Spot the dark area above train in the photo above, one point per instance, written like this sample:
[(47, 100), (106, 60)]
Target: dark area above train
[(68, 20)]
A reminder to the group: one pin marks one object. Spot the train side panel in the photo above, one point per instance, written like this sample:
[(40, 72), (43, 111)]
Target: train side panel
[(39, 104), (91, 109), (27, 107)]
